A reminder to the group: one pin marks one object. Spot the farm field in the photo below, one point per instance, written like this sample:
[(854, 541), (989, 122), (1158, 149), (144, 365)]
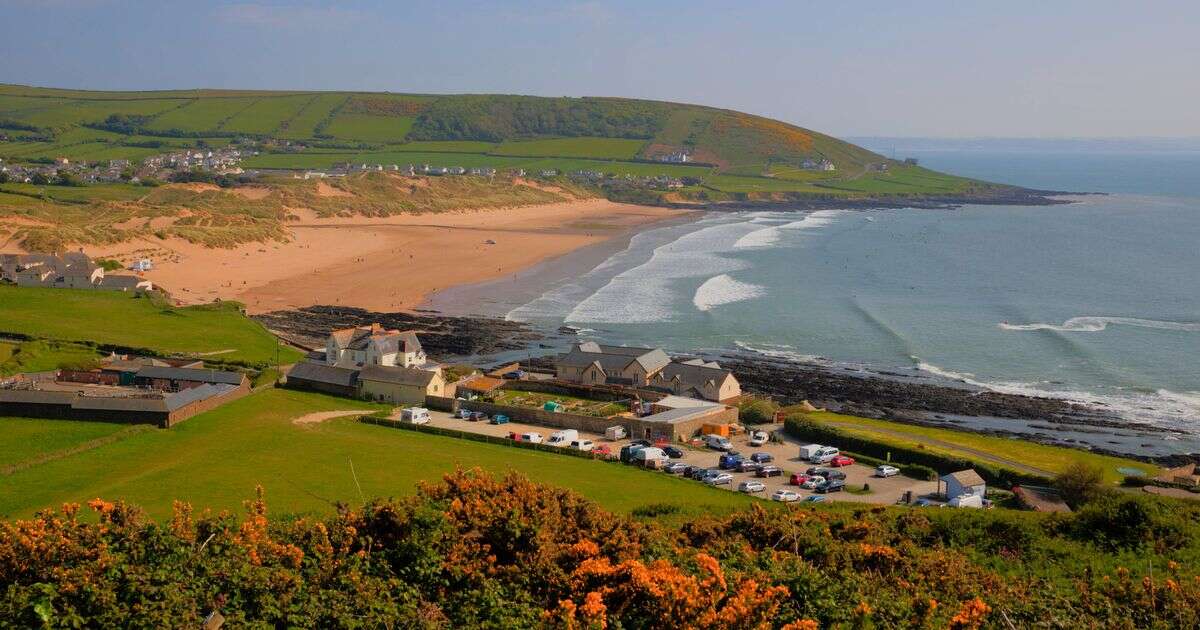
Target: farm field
[(200, 115), (902, 180), (266, 114), (368, 128), (594, 148), (215, 460), (116, 318), (748, 184), (303, 124), (1047, 458)]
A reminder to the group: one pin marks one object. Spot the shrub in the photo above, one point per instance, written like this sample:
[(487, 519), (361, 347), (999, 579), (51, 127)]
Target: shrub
[(757, 411), (1080, 483)]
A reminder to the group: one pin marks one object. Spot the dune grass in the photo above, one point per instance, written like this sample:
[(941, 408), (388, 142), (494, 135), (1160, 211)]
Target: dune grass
[(215, 460), (110, 317)]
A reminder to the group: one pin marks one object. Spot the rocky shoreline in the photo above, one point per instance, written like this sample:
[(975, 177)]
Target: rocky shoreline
[(1001, 197)]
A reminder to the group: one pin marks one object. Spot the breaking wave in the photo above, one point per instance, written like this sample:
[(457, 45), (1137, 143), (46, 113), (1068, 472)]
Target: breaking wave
[(769, 236), (722, 289), (1097, 324)]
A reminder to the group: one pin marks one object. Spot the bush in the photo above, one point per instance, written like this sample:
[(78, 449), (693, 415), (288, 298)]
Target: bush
[(1130, 523), (757, 411), (1080, 483)]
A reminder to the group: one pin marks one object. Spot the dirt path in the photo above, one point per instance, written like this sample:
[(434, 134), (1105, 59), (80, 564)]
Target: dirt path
[(983, 455), (322, 416)]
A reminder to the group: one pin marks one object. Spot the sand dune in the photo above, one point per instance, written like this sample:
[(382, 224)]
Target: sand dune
[(389, 263)]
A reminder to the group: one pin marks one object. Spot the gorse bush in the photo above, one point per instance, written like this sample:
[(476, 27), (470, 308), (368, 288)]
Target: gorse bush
[(477, 551)]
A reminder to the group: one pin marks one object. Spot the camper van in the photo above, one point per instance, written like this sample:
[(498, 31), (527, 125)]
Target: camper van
[(809, 451), (650, 454), (563, 438), (615, 433), (414, 415), (531, 437), (582, 445)]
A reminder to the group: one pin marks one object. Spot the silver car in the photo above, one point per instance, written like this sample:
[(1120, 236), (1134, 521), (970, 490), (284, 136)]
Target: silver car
[(751, 486), (719, 479)]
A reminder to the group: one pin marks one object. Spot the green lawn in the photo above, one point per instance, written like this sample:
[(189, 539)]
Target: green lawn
[(43, 356), (214, 460), (597, 148), (1048, 458), (26, 439), (124, 319)]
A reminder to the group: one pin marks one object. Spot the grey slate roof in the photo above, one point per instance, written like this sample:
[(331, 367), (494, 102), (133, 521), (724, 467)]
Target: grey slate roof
[(966, 478), (321, 373), (397, 375), (693, 374), (119, 282), (191, 374), (672, 416), (188, 396), (614, 358)]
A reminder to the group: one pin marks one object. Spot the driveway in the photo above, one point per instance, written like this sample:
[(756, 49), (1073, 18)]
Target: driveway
[(786, 456)]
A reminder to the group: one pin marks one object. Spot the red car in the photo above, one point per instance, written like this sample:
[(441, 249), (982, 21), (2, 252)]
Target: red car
[(841, 460), (797, 479)]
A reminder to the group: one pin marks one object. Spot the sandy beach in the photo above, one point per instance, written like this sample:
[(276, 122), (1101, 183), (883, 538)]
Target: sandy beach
[(390, 263)]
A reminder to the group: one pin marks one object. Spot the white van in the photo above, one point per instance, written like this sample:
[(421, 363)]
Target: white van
[(414, 415), (809, 451), (582, 445), (650, 454), (563, 438), (717, 442), (615, 433), (531, 437), (825, 455)]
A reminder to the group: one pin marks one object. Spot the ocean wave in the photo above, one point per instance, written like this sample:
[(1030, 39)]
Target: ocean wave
[(1097, 324), (722, 289), (1162, 407), (769, 236), (777, 351)]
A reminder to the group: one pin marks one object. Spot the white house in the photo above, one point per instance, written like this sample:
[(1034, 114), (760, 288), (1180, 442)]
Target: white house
[(373, 345), (964, 483)]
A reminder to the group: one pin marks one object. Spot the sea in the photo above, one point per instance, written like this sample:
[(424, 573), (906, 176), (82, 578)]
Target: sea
[(1095, 301)]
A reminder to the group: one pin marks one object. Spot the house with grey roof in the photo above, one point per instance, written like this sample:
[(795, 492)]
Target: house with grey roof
[(400, 385), (590, 363), (373, 345)]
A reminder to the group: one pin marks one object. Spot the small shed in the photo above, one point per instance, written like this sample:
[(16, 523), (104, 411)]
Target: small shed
[(963, 483)]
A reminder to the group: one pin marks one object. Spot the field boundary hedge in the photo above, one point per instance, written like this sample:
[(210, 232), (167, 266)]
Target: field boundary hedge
[(489, 439), (806, 429)]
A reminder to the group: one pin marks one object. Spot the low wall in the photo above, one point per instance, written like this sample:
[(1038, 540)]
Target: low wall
[(490, 439), (441, 403)]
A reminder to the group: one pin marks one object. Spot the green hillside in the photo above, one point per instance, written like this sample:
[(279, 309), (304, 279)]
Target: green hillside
[(608, 135)]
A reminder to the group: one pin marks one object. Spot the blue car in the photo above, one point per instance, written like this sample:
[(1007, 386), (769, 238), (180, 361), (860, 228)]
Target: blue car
[(762, 458), (729, 461), (499, 419)]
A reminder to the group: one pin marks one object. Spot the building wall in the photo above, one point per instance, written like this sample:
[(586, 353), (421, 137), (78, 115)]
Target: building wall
[(394, 393), (200, 406), (321, 388)]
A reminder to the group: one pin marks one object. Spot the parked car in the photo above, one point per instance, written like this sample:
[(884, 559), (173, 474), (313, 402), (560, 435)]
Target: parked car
[(675, 468), (811, 483), (515, 375), (719, 479), (762, 458), (814, 498), (476, 416), (641, 443), (833, 485), (751, 485), (615, 433), (582, 445), (499, 419), (786, 496), (769, 471), (835, 475), (729, 462), (825, 455), (532, 437), (797, 479), (758, 438), (886, 471), (563, 438), (692, 470), (674, 452), (705, 473), (809, 451), (463, 414), (746, 465), (717, 442), (841, 460)]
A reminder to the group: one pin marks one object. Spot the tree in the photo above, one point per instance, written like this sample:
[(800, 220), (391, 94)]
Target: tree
[(39, 179), (3, 178), (1080, 483)]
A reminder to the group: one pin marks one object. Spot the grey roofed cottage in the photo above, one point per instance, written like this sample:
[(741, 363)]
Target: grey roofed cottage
[(363, 345), (964, 482), (320, 377), (592, 363)]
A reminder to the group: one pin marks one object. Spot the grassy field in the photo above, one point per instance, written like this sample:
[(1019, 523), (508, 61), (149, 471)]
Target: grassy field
[(368, 128), (43, 356), (266, 114), (303, 124), (200, 115), (122, 319), (1047, 458), (595, 148), (29, 439), (110, 192), (214, 460)]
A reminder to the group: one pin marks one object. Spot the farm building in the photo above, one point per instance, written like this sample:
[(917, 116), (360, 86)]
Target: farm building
[(326, 379), (400, 385), (173, 379), (964, 483)]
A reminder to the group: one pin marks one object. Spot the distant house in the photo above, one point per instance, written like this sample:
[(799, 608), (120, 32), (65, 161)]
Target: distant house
[(678, 157), (324, 378), (964, 483), (400, 385), (373, 345), (124, 283), (80, 275), (696, 378)]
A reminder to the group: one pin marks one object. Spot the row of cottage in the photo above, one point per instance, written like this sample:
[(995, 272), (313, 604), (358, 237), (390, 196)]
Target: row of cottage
[(72, 270), (391, 366)]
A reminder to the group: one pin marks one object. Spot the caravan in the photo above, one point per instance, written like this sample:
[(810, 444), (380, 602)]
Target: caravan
[(415, 415)]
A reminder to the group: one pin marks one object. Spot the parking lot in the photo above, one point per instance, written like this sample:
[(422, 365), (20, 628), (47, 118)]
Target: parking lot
[(785, 454)]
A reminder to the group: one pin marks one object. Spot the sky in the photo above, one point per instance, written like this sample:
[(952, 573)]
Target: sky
[(952, 68)]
